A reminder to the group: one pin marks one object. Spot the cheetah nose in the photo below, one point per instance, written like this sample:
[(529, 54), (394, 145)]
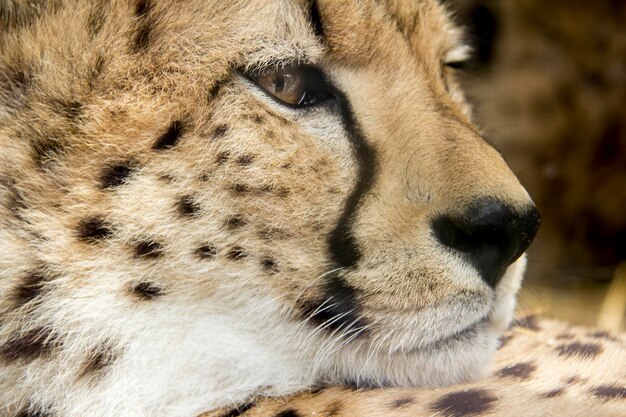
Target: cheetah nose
[(490, 234)]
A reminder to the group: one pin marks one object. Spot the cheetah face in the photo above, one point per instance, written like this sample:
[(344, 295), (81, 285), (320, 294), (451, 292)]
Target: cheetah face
[(292, 186), (408, 228)]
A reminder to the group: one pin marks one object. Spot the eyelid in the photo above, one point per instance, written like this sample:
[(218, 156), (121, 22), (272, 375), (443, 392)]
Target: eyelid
[(257, 69)]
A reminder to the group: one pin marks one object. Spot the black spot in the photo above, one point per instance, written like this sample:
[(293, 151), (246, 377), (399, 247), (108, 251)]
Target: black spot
[(553, 393), (270, 265), (521, 371), (528, 322), (33, 411), (288, 413), (609, 392), (116, 175), (219, 131), (471, 402), (30, 288), (206, 251), (236, 253), (187, 206), (316, 20), (30, 345), (239, 188), (97, 361), (602, 334), (170, 137), (215, 89), (583, 350), (573, 380), (93, 230), (258, 119), (239, 411), (148, 249), (222, 158), (145, 26), (47, 150), (245, 160), (146, 290), (401, 402), (142, 7), (70, 109), (235, 222)]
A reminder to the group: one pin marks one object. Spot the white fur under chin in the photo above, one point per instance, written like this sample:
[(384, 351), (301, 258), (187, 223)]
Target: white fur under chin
[(195, 358)]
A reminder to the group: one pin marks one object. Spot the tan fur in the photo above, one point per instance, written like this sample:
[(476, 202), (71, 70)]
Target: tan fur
[(126, 265)]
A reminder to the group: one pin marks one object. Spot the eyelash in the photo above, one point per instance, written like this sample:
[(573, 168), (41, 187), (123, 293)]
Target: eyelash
[(295, 86)]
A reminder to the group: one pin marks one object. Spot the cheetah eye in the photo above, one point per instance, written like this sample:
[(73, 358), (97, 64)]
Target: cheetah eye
[(297, 85)]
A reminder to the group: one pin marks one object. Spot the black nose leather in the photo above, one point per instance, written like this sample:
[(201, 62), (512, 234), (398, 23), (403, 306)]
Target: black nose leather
[(490, 234)]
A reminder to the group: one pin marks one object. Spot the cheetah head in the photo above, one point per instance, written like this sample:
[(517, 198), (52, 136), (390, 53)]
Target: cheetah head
[(246, 198)]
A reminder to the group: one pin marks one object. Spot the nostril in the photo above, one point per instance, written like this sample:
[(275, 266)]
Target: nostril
[(490, 234)]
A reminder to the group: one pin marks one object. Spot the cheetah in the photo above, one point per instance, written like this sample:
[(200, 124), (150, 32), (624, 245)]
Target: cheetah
[(207, 203)]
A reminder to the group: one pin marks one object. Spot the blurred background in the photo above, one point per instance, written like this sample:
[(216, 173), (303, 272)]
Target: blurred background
[(548, 83)]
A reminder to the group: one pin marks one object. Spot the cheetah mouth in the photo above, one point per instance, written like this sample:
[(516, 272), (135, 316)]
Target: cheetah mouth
[(460, 336)]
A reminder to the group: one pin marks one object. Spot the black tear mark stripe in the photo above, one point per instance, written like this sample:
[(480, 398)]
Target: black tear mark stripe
[(338, 311), (316, 20), (342, 243), (342, 309)]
